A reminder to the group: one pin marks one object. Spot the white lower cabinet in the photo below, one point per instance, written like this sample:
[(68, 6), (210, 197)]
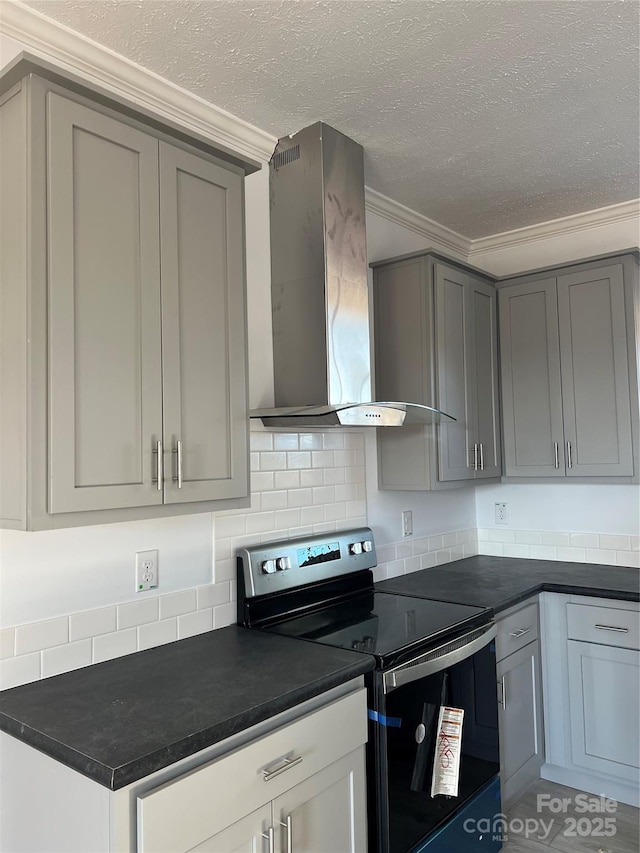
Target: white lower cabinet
[(292, 784), (591, 691), (520, 700)]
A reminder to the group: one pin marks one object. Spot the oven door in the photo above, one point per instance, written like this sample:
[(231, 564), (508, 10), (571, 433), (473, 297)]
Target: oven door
[(460, 674)]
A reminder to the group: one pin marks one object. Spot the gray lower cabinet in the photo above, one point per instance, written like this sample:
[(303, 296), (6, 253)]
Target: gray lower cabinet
[(569, 386), (436, 344), (520, 700), (123, 311)]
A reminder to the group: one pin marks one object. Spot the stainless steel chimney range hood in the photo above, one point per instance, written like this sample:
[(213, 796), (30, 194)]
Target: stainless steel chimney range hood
[(319, 293)]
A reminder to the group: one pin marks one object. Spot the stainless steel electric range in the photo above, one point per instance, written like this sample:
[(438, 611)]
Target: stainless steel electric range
[(428, 653)]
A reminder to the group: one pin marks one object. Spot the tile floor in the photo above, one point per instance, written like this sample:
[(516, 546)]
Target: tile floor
[(533, 826)]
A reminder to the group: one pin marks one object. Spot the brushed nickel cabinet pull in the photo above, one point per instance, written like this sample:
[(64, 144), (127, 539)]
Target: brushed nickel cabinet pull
[(270, 836), (520, 632), (481, 456), (504, 692), (267, 775), (556, 454), (159, 466), (288, 826), (475, 457), (569, 459), (613, 628), (178, 452)]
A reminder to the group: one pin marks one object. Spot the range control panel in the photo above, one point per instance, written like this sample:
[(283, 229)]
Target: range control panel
[(276, 566)]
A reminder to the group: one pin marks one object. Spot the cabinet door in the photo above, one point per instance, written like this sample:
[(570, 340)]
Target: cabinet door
[(326, 812), (604, 685), (203, 326), (455, 391), (595, 373), (531, 387), (484, 378), (105, 404), (520, 719), (248, 835)]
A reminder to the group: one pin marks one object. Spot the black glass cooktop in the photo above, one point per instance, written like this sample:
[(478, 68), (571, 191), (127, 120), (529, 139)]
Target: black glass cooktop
[(386, 625)]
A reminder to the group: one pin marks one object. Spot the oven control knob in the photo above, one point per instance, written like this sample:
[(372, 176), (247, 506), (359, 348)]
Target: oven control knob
[(268, 567), (367, 546), (283, 563), (355, 548)]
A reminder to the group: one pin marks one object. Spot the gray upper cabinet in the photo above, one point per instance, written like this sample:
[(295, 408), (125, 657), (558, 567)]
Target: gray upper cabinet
[(569, 385), (436, 344), (126, 298)]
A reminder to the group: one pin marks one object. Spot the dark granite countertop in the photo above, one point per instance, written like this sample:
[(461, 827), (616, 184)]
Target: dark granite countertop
[(120, 720), (500, 582)]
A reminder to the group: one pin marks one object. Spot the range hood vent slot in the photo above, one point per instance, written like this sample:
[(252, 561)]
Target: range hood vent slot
[(282, 158)]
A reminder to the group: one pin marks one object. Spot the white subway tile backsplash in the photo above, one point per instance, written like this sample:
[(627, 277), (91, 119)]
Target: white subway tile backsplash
[(261, 440), (286, 518), (312, 477), (262, 481), (542, 552), (347, 492), (20, 670), (412, 564), (628, 558), (286, 479), (67, 657), (312, 515), (571, 555), (254, 461), (225, 570), (178, 603), (354, 440), (298, 459), (599, 555), (7, 643), (323, 459), (335, 511), (435, 542), (635, 543), (114, 645), (427, 561), (420, 546), (285, 441), (483, 534), (615, 543), (386, 553), (300, 497), (224, 547), (404, 550), (261, 522), (348, 458), (561, 540), (513, 550), (324, 495), (449, 539), (195, 623), (210, 596), (273, 460), (491, 549), (337, 476), (584, 540), (230, 525), (395, 569), (225, 614), (273, 500), (443, 556), (333, 440), (137, 613), (457, 552), (500, 535), (527, 537), (157, 633), (92, 623), (42, 635), (357, 510)]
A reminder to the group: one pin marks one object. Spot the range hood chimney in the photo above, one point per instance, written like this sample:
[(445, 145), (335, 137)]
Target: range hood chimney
[(319, 293)]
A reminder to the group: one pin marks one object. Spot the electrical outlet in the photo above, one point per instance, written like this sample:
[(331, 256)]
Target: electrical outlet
[(502, 513), (146, 570), (407, 522)]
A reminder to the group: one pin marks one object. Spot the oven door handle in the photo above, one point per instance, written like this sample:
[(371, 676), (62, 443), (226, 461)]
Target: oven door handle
[(438, 659)]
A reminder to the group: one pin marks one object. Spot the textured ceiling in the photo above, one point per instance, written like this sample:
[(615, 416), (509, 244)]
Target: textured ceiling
[(484, 116)]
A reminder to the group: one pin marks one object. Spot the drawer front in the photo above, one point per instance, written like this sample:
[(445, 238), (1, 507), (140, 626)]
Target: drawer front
[(516, 630), (609, 626), (186, 811)]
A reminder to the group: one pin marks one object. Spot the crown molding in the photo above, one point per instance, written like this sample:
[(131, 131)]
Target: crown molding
[(432, 231), (99, 65), (563, 227)]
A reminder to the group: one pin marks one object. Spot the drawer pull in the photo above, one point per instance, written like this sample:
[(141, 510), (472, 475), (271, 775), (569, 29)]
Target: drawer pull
[(519, 633), (613, 628), (286, 765), (288, 825), (271, 838)]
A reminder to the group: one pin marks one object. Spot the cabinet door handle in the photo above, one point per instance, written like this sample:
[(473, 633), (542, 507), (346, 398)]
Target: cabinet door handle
[(556, 454), (481, 456), (159, 466), (474, 465), (569, 457), (520, 632), (270, 836), (178, 452), (502, 700), (613, 628), (288, 825), (286, 765)]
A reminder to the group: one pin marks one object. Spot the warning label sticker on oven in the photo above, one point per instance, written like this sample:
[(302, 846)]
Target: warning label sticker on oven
[(446, 762)]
